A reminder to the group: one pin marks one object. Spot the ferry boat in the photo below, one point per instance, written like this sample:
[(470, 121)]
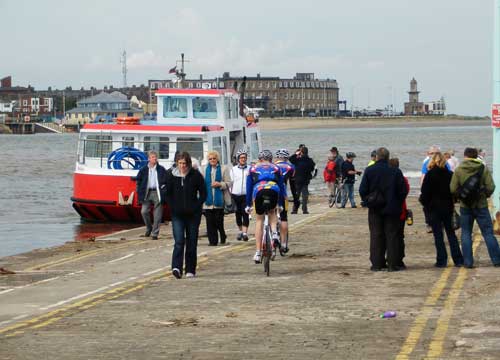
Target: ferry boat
[(110, 155)]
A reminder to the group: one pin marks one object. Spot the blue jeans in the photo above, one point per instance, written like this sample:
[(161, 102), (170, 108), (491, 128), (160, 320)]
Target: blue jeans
[(185, 231), (348, 192), (439, 218), (482, 216)]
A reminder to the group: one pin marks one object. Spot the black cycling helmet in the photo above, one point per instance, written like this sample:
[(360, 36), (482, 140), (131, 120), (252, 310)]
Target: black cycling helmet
[(373, 153), (350, 155)]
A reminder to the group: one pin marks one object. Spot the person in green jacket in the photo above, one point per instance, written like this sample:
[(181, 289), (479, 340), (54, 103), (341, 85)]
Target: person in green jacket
[(476, 209)]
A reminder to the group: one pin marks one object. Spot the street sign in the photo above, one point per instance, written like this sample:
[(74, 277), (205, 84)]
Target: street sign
[(495, 115)]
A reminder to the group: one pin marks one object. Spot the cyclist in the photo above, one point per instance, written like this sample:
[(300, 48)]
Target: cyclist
[(265, 188), (287, 171), (330, 175)]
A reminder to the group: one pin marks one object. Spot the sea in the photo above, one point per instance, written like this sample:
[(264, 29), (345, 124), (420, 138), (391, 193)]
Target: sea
[(36, 174)]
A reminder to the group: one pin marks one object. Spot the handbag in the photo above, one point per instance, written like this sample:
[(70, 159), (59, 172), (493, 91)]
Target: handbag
[(229, 203), (375, 199), (455, 220)]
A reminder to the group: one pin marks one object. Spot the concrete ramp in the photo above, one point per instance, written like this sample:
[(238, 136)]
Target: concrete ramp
[(48, 128)]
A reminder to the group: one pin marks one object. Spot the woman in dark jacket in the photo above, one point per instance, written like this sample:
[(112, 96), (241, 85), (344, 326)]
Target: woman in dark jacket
[(185, 196), (436, 196)]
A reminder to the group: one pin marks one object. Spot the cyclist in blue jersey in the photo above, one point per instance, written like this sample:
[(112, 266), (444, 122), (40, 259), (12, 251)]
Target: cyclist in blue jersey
[(265, 189), (287, 171)]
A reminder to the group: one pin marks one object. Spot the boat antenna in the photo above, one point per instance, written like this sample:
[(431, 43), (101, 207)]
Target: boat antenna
[(181, 75), (123, 61)]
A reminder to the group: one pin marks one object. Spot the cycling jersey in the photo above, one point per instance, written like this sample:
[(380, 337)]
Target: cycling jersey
[(262, 176), (287, 170)]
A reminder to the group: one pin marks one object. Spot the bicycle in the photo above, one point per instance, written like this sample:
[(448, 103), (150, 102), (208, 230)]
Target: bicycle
[(339, 193)]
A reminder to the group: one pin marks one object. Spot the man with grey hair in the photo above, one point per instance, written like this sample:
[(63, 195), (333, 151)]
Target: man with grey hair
[(383, 190), (150, 188)]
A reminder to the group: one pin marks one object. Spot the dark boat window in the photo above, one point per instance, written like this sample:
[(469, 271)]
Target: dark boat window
[(192, 145), (174, 107), (159, 144)]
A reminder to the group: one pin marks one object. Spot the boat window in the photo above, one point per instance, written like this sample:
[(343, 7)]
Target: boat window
[(98, 145), (204, 108), (174, 107), (227, 108), (234, 108), (158, 144), (217, 144), (254, 145), (192, 145), (128, 141)]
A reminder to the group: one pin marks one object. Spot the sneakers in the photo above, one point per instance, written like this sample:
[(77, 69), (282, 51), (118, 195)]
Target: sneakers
[(239, 237), (276, 240), (189, 275), (257, 257), (177, 273), (245, 237)]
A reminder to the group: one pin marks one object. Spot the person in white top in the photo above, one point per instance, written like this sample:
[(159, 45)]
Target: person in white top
[(239, 175), (451, 160)]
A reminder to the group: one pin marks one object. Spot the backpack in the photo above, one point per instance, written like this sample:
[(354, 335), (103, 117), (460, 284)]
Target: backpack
[(470, 190)]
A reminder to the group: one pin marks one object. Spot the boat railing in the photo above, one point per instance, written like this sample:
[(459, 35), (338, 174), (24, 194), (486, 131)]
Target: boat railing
[(131, 154)]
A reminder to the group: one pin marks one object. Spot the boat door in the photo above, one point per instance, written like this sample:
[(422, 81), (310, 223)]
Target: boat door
[(218, 141), (254, 143)]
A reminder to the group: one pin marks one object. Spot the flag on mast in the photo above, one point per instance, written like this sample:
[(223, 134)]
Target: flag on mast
[(173, 70)]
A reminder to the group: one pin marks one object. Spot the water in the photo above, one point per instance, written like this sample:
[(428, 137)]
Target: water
[(36, 174)]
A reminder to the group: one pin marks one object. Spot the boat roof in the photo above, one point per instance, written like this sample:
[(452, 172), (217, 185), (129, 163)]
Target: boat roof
[(196, 92), (153, 128)]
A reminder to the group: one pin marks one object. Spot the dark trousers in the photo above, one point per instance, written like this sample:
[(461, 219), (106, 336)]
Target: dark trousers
[(241, 215), (185, 231), (300, 189), (427, 216), (401, 235), (293, 190), (215, 226), (384, 236), (440, 218)]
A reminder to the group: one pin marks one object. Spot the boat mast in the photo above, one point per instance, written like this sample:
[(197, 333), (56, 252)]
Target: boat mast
[(181, 75)]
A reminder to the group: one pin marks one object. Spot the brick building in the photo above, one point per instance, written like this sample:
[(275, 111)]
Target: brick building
[(289, 96)]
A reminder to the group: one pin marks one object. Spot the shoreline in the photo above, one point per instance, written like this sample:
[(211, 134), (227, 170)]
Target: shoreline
[(354, 123)]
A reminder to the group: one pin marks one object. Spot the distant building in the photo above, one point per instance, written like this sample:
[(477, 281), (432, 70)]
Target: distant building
[(413, 106), (102, 107), (416, 107), (34, 105), (302, 94), (7, 107)]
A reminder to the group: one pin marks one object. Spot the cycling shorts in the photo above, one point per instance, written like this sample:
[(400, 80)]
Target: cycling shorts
[(284, 215), (265, 200)]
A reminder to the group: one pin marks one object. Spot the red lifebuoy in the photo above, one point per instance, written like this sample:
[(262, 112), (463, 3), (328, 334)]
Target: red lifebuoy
[(127, 120)]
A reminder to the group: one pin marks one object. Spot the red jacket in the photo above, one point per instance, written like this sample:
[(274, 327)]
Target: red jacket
[(329, 174)]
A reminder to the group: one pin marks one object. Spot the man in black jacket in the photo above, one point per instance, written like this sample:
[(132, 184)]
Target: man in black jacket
[(304, 169), (383, 189), (151, 191)]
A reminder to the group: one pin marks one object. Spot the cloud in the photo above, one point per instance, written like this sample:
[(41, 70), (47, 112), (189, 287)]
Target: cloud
[(373, 65), (145, 59)]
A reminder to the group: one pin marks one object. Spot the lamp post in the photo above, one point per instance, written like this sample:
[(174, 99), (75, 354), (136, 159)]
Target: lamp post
[(496, 100)]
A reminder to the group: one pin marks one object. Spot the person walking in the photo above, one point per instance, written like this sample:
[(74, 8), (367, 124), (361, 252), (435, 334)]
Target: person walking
[(239, 175), (150, 189), (330, 176), (349, 178), (186, 194), (475, 206), (436, 197), (217, 183), (304, 169), (383, 189)]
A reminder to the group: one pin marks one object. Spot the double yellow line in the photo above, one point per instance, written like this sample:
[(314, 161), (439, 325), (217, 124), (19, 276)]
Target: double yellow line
[(92, 301), (439, 335)]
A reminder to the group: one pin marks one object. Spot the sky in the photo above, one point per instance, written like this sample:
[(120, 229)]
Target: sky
[(372, 48)]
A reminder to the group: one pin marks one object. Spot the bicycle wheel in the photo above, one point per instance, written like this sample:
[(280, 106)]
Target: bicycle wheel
[(338, 198), (267, 251)]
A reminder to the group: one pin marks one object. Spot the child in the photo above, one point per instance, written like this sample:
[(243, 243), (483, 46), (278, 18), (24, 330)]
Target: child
[(330, 175)]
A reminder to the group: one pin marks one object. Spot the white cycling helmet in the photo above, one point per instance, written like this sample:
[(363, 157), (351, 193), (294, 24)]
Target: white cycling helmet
[(282, 154), (266, 155), (241, 152)]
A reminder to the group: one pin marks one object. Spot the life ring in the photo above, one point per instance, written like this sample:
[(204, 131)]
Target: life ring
[(127, 120), (127, 156)]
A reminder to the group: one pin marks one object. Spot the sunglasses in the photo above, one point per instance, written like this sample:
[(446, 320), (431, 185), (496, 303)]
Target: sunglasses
[(212, 159)]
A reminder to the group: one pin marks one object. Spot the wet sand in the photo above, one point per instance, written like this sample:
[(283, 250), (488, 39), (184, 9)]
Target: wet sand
[(318, 123)]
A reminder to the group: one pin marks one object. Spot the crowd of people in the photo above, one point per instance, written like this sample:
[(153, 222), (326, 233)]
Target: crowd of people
[(262, 188)]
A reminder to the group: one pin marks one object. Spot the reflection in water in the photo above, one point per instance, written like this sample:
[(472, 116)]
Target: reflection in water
[(87, 230)]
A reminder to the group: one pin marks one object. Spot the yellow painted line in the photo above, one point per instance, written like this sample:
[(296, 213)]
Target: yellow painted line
[(422, 319), (77, 257), (436, 345), (90, 302)]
